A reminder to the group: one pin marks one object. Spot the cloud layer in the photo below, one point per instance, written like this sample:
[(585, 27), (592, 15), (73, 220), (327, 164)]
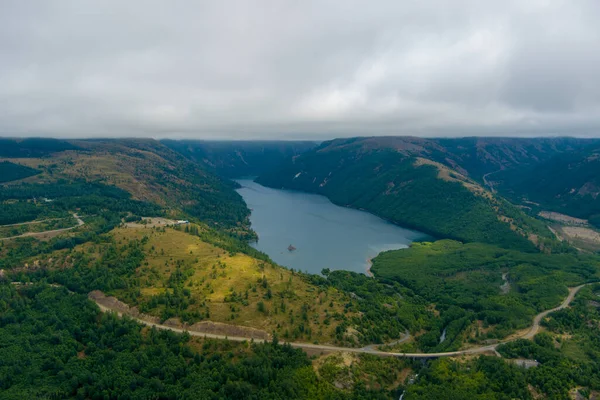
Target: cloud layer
[(299, 69)]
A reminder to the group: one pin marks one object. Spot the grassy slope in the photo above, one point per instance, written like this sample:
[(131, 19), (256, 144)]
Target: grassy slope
[(219, 282), (170, 273)]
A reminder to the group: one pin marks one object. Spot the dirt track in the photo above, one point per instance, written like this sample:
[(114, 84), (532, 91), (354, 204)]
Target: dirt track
[(47, 234), (533, 330), (535, 327)]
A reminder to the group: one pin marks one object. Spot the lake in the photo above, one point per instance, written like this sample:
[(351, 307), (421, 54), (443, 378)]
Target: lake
[(324, 235)]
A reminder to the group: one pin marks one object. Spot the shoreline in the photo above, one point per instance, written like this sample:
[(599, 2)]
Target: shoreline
[(422, 231), (369, 265)]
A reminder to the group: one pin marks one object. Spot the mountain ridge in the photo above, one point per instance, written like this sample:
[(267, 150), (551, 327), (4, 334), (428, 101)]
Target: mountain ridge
[(414, 182)]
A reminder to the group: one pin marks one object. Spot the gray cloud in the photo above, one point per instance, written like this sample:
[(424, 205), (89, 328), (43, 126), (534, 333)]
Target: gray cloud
[(289, 69)]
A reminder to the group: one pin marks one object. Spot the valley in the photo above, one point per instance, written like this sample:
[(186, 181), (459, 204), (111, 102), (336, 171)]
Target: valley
[(158, 235), (324, 235)]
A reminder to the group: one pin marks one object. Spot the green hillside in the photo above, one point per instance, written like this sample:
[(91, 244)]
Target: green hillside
[(234, 159), (11, 172), (59, 345), (409, 190), (568, 183), (465, 281), (33, 147), (432, 297), (478, 156), (146, 169)]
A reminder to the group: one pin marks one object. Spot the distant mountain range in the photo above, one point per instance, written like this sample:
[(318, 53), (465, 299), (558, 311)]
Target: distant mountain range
[(234, 159)]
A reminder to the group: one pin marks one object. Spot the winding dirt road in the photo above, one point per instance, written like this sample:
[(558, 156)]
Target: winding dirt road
[(535, 327), (46, 233), (530, 333), (489, 183)]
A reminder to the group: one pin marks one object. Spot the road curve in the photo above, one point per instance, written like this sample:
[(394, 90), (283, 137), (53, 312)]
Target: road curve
[(533, 330), (30, 222), (489, 183), (54, 231), (535, 327)]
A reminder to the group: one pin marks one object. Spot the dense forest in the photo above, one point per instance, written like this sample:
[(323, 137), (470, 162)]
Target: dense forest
[(568, 183), (235, 159), (12, 172), (567, 357), (465, 282), (57, 345), (32, 147), (483, 282), (401, 190)]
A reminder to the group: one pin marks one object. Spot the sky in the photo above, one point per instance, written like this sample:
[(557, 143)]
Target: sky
[(288, 69)]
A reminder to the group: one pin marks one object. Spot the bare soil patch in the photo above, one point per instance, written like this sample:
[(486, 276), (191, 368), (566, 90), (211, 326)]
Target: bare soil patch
[(582, 238), (582, 233), (151, 222), (562, 218)]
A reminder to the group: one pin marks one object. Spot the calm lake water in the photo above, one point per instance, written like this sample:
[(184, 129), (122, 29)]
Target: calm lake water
[(325, 235)]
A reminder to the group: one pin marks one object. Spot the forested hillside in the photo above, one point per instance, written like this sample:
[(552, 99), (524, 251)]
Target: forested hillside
[(110, 208), (207, 272), (565, 364), (568, 183), (109, 182), (147, 170), (412, 191), (57, 345), (12, 172), (33, 147), (478, 156), (482, 291), (235, 159), (471, 156)]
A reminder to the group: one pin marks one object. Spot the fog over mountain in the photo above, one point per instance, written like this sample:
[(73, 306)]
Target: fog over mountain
[(289, 69)]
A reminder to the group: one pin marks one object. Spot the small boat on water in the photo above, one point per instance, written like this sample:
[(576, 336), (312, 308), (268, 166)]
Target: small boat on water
[(291, 248)]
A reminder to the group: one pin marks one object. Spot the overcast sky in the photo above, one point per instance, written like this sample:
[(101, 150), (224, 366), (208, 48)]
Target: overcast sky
[(299, 69)]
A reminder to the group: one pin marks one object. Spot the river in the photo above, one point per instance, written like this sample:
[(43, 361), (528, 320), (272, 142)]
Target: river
[(325, 235)]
